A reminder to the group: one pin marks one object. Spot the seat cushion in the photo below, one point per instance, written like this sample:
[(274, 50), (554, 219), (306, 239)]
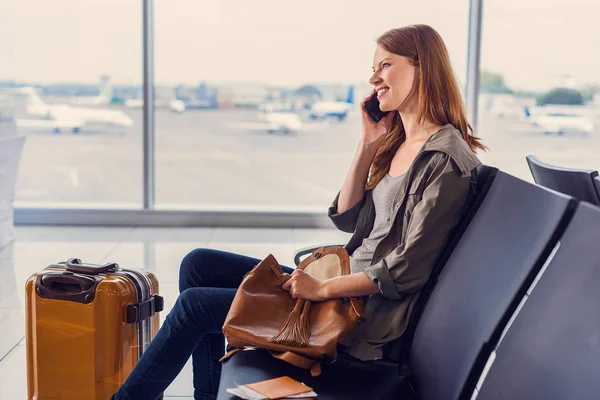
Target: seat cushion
[(344, 379)]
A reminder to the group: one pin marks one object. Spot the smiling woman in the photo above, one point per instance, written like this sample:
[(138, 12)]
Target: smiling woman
[(412, 74)]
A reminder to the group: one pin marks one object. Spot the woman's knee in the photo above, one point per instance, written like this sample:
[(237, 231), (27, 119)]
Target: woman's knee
[(191, 300), (213, 268), (192, 268)]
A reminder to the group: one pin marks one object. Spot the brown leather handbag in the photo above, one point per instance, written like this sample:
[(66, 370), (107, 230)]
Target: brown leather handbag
[(300, 332)]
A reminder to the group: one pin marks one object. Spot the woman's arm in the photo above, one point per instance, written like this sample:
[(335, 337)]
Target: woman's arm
[(353, 187), (305, 286), (353, 285)]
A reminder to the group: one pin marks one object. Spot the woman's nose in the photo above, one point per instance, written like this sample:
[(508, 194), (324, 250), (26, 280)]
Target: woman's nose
[(374, 80)]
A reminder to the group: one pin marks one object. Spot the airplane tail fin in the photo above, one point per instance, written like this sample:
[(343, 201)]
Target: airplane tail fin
[(106, 90), (33, 97), (33, 102), (350, 98)]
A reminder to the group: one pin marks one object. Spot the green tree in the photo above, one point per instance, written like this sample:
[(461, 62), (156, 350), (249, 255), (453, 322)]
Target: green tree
[(561, 96), (491, 82)]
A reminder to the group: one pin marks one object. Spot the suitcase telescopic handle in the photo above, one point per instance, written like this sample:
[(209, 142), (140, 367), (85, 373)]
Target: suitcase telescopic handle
[(75, 265)]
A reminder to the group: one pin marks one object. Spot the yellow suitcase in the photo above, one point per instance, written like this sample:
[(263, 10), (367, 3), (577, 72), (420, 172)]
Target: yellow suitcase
[(86, 327)]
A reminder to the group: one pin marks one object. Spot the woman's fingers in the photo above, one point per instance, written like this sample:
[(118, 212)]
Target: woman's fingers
[(287, 285), (291, 284), (292, 291)]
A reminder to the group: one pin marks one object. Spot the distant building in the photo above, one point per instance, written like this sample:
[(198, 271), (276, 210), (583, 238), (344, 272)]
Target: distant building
[(246, 95)]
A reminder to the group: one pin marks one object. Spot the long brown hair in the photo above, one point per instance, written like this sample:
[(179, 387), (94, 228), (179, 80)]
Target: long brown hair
[(436, 88)]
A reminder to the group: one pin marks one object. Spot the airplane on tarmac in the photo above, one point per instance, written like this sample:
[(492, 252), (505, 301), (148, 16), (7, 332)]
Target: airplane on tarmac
[(333, 109), (33, 114), (281, 117), (272, 122), (561, 119), (174, 105)]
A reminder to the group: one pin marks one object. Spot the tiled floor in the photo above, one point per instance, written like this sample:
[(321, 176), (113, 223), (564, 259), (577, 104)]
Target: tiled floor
[(159, 250)]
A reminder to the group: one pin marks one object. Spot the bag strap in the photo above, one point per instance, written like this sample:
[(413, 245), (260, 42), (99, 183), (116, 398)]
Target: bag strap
[(230, 353), (289, 357), (299, 361)]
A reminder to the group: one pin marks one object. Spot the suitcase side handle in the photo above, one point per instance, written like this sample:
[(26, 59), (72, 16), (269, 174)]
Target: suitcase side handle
[(75, 265)]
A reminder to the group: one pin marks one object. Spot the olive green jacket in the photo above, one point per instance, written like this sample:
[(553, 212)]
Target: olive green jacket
[(427, 206)]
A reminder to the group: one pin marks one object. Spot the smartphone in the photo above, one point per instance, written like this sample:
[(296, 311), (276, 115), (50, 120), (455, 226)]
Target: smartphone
[(373, 110)]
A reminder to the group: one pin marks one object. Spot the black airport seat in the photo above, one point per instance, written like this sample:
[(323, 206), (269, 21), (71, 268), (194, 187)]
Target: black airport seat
[(578, 183), (488, 273), (552, 349)]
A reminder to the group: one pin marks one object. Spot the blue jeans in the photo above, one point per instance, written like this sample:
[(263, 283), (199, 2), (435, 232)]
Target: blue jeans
[(208, 280)]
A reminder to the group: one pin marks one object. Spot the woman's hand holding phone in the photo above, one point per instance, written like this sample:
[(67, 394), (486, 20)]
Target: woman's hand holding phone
[(372, 133)]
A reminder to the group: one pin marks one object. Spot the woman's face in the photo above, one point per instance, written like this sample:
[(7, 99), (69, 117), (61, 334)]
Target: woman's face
[(393, 77)]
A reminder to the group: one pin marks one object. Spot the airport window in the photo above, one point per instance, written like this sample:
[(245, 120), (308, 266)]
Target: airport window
[(540, 92), (70, 68)]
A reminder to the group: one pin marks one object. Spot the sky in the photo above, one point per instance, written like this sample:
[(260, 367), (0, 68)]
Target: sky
[(532, 43)]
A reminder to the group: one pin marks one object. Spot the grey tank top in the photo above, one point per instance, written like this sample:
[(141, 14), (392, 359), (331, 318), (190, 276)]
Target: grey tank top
[(383, 197)]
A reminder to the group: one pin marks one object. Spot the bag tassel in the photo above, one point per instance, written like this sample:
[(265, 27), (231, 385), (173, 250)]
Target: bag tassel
[(295, 330)]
